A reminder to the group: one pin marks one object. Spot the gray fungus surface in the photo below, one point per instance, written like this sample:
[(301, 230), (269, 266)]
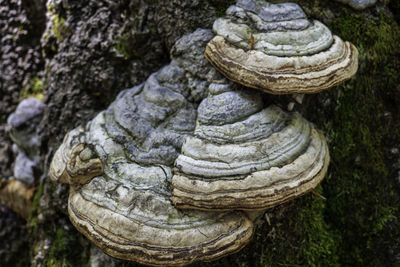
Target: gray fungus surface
[(275, 48), (126, 209)]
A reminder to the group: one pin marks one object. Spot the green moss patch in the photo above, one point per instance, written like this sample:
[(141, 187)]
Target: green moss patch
[(33, 89), (362, 125), (59, 27)]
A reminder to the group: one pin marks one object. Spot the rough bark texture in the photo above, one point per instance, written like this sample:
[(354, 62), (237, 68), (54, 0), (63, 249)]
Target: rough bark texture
[(14, 248), (93, 49)]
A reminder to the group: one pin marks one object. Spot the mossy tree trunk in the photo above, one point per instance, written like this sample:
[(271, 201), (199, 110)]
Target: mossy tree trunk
[(93, 49)]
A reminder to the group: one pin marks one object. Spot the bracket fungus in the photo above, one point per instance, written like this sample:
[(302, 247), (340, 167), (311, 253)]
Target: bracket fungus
[(244, 156), (18, 191), (276, 49), (22, 124), (155, 149), (124, 207)]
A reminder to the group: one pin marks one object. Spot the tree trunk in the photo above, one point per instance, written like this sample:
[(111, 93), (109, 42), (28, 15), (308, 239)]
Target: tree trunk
[(78, 55)]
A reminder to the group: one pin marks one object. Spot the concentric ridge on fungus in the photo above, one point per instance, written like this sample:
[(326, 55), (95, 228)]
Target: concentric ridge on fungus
[(244, 156), (126, 209), (276, 49)]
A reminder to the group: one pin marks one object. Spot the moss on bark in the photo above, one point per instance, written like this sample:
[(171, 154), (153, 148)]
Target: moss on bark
[(363, 128)]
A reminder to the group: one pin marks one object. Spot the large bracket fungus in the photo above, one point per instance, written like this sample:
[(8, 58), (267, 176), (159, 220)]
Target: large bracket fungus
[(124, 207), (156, 149), (276, 49), (244, 156)]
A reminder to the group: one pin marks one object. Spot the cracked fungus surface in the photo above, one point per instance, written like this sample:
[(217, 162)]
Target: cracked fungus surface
[(277, 49), (125, 208)]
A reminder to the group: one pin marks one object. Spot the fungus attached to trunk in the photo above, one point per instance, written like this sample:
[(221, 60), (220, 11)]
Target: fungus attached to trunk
[(18, 191), (124, 207), (276, 49), (244, 156)]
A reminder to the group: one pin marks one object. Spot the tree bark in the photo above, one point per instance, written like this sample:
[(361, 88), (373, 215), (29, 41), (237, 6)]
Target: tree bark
[(79, 54)]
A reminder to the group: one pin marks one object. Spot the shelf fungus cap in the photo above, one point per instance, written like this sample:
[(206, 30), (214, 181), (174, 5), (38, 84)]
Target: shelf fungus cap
[(276, 49), (128, 213), (127, 209), (250, 160), (140, 224)]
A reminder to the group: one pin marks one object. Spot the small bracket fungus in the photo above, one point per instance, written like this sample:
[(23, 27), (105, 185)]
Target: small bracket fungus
[(276, 49), (22, 125), (125, 207), (244, 156), (17, 192)]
